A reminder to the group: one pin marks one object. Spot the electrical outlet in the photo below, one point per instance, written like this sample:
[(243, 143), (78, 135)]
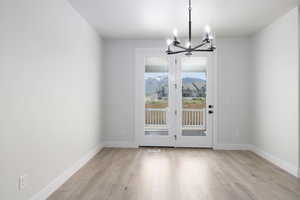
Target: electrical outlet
[(23, 181)]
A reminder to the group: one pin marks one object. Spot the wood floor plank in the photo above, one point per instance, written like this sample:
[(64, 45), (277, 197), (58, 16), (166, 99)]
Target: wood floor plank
[(178, 174)]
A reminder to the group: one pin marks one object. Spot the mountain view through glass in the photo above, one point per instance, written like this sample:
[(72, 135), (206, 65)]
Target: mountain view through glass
[(193, 90)]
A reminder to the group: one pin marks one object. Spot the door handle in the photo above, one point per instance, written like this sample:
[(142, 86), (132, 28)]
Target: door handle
[(210, 112)]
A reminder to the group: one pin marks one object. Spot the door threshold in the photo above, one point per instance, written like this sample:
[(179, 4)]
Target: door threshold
[(145, 146), (174, 147)]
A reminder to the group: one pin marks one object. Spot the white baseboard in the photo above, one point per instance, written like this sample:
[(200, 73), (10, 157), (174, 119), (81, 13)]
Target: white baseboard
[(120, 144), (231, 147), (61, 179), (286, 166)]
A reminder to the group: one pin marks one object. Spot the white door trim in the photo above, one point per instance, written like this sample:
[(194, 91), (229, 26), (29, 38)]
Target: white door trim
[(215, 100)]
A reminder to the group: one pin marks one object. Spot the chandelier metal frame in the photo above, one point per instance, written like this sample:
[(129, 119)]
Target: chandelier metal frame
[(206, 45)]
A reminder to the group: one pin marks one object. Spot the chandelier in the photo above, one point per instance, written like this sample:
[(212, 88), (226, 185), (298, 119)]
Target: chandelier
[(205, 45)]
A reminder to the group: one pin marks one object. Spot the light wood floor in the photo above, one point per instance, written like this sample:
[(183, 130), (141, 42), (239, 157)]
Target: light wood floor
[(178, 174)]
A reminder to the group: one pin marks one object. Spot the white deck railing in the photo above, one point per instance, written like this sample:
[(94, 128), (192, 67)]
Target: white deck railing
[(156, 118), (193, 118)]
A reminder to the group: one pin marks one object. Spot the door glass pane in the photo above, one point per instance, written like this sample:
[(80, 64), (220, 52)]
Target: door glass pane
[(156, 96), (194, 79)]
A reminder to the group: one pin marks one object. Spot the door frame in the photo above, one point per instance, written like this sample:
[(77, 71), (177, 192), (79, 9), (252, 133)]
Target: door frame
[(138, 85)]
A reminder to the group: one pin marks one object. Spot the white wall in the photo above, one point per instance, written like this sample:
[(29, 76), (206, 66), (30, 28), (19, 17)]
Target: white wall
[(298, 91), (276, 89), (119, 61), (119, 87), (50, 88), (233, 90)]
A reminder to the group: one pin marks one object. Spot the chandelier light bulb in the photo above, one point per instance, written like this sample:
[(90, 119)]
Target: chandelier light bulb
[(188, 44), (169, 42), (175, 32), (207, 29)]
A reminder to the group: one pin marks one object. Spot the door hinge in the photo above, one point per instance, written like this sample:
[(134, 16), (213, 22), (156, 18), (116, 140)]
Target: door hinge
[(175, 85), (175, 137), (175, 112), (176, 61)]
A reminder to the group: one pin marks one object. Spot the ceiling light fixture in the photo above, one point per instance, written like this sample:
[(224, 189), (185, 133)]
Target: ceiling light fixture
[(205, 45)]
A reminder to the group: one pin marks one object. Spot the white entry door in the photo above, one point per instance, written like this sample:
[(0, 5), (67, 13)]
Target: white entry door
[(194, 100), (174, 96)]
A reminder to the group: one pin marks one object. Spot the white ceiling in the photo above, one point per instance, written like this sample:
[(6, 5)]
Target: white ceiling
[(155, 19)]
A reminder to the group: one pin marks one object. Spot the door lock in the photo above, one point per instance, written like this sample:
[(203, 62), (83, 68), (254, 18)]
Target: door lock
[(210, 112)]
